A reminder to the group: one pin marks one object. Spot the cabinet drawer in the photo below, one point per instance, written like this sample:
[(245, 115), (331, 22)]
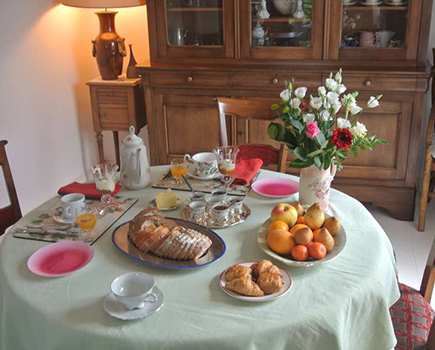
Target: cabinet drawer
[(190, 79), (376, 82), (114, 118), (112, 96), (275, 80)]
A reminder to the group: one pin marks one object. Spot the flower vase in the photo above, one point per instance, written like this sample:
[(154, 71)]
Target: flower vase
[(314, 185)]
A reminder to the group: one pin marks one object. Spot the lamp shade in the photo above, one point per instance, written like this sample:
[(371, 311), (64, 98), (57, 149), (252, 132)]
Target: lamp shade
[(103, 3)]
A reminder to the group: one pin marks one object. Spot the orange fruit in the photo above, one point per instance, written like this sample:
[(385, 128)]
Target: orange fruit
[(280, 241), (296, 227), (299, 253), (317, 250), (300, 220), (315, 232), (279, 224)]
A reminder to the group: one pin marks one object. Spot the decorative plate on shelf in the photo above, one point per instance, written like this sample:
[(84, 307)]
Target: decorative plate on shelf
[(286, 278), (339, 239), (121, 241)]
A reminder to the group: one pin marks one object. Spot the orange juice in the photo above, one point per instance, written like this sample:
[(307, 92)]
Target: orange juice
[(86, 221), (178, 170)]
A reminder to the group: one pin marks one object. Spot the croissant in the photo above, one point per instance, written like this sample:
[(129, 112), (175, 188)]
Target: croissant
[(270, 282), (260, 267), (237, 271), (245, 286)]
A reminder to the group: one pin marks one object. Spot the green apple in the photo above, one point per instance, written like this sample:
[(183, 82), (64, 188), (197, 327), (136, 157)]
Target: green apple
[(285, 212)]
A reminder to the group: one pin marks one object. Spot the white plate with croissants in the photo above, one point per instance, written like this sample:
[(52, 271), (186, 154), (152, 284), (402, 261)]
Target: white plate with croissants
[(255, 281)]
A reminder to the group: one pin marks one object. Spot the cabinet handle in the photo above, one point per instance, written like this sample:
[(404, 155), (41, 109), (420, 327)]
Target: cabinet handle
[(189, 78), (102, 115), (368, 83), (240, 133), (275, 81)]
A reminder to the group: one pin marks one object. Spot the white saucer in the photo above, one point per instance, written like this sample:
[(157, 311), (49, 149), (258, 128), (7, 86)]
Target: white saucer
[(371, 3), (351, 3), (210, 177), (115, 309), (396, 4), (153, 204), (58, 218)]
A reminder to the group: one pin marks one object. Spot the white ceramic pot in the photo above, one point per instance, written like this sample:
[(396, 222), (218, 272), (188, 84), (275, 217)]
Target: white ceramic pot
[(314, 185), (286, 7)]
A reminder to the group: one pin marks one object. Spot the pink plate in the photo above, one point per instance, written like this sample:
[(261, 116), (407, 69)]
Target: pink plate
[(275, 188), (60, 259)]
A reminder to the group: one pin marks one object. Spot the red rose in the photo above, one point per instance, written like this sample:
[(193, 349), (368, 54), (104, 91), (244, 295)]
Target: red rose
[(303, 106), (342, 138)]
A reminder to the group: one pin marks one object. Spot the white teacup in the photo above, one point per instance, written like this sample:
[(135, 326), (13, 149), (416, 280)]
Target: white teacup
[(197, 196), (220, 212), (134, 290), (202, 164), (71, 204)]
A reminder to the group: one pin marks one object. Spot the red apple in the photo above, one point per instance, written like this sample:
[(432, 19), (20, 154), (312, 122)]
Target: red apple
[(285, 212)]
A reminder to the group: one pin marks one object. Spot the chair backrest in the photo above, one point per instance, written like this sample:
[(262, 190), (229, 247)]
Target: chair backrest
[(249, 110), (11, 214)]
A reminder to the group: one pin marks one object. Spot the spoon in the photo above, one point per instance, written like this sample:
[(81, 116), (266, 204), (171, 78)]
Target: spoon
[(187, 183)]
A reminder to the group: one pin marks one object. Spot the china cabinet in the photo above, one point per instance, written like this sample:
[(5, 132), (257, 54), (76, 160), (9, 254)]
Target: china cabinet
[(202, 49)]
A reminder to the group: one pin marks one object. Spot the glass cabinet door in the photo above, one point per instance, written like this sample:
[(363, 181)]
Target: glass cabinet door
[(197, 28), (376, 29), (281, 29)]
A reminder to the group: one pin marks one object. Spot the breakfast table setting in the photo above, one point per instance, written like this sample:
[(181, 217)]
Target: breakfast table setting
[(209, 252)]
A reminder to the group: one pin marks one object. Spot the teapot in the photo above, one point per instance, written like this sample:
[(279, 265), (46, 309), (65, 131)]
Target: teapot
[(179, 35), (135, 169)]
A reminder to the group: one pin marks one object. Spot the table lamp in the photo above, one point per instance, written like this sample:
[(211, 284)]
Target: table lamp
[(109, 47)]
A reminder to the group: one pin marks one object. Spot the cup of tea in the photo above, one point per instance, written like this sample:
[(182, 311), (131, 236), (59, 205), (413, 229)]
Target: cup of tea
[(134, 290), (220, 213), (198, 210), (202, 165), (197, 196), (71, 204), (220, 194)]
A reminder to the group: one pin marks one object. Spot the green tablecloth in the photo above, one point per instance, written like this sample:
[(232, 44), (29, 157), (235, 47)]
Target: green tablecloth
[(339, 305)]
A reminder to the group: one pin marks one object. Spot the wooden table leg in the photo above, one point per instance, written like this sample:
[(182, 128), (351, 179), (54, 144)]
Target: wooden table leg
[(116, 142), (99, 137)]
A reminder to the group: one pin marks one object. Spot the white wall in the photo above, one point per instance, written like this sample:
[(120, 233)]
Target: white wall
[(45, 111)]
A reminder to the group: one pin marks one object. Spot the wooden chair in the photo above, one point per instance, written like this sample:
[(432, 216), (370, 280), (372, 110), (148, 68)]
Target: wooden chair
[(412, 314), (11, 214), (243, 112)]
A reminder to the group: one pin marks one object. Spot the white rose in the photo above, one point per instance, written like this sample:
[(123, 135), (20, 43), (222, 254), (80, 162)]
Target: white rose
[(300, 92), (322, 91), (326, 104), (343, 123), (332, 97), (309, 117), (295, 103), (338, 77), (316, 102), (348, 99), (285, 95), (336, 107), (341, 88), (325, 115), (373, 102), (359, 130), (355, 109), (331, 84)]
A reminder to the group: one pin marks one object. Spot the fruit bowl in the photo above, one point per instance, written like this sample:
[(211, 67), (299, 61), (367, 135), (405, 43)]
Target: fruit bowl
[(339, 238)]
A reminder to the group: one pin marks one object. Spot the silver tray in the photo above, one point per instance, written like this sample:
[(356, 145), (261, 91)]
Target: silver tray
[(186, 214)]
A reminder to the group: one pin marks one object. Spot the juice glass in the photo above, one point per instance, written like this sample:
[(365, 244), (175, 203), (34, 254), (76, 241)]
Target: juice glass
[(178, 168), (86, 220)]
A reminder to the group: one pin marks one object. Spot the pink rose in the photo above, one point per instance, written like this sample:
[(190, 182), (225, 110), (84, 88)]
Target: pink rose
[(312, 130)]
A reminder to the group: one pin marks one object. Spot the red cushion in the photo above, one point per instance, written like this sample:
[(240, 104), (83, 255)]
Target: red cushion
[(412, 318), (265, 153)]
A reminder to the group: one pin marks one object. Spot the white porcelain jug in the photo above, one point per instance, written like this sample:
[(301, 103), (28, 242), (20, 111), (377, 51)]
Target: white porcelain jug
[(135, 169)]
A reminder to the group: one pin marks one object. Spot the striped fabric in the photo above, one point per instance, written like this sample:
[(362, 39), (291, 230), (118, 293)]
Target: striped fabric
[(412, 318)]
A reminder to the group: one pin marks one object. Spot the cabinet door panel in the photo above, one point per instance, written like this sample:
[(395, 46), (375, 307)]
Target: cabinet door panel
[(185, 124)]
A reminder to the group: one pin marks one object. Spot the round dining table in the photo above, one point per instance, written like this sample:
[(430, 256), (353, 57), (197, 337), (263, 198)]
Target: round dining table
[(339, 305)]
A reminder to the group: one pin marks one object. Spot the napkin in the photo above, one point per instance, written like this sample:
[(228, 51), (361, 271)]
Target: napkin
[(246, 169), (89, 190)]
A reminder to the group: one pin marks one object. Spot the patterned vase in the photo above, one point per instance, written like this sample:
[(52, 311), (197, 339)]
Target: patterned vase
[(314, 185)]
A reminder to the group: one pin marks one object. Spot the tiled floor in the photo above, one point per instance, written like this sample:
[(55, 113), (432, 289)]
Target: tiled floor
[(411, 246)]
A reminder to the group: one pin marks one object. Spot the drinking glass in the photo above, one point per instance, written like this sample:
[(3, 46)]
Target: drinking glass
[(227, 158), (86, 220), (104, 176), (178, 168)]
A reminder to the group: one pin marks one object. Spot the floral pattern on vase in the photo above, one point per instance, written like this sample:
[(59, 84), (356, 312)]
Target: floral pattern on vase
[(314, 185)]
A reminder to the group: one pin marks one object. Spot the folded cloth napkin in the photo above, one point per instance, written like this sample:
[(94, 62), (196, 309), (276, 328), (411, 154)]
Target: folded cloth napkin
[(246, 170), (89, 190)]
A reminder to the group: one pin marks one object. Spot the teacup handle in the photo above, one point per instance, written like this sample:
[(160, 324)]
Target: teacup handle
[(154, 296), (188, 158), (67, 212)]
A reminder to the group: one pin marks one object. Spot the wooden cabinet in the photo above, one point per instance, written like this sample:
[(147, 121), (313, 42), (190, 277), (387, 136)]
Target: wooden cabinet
[(181, 80), (116, 104)]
